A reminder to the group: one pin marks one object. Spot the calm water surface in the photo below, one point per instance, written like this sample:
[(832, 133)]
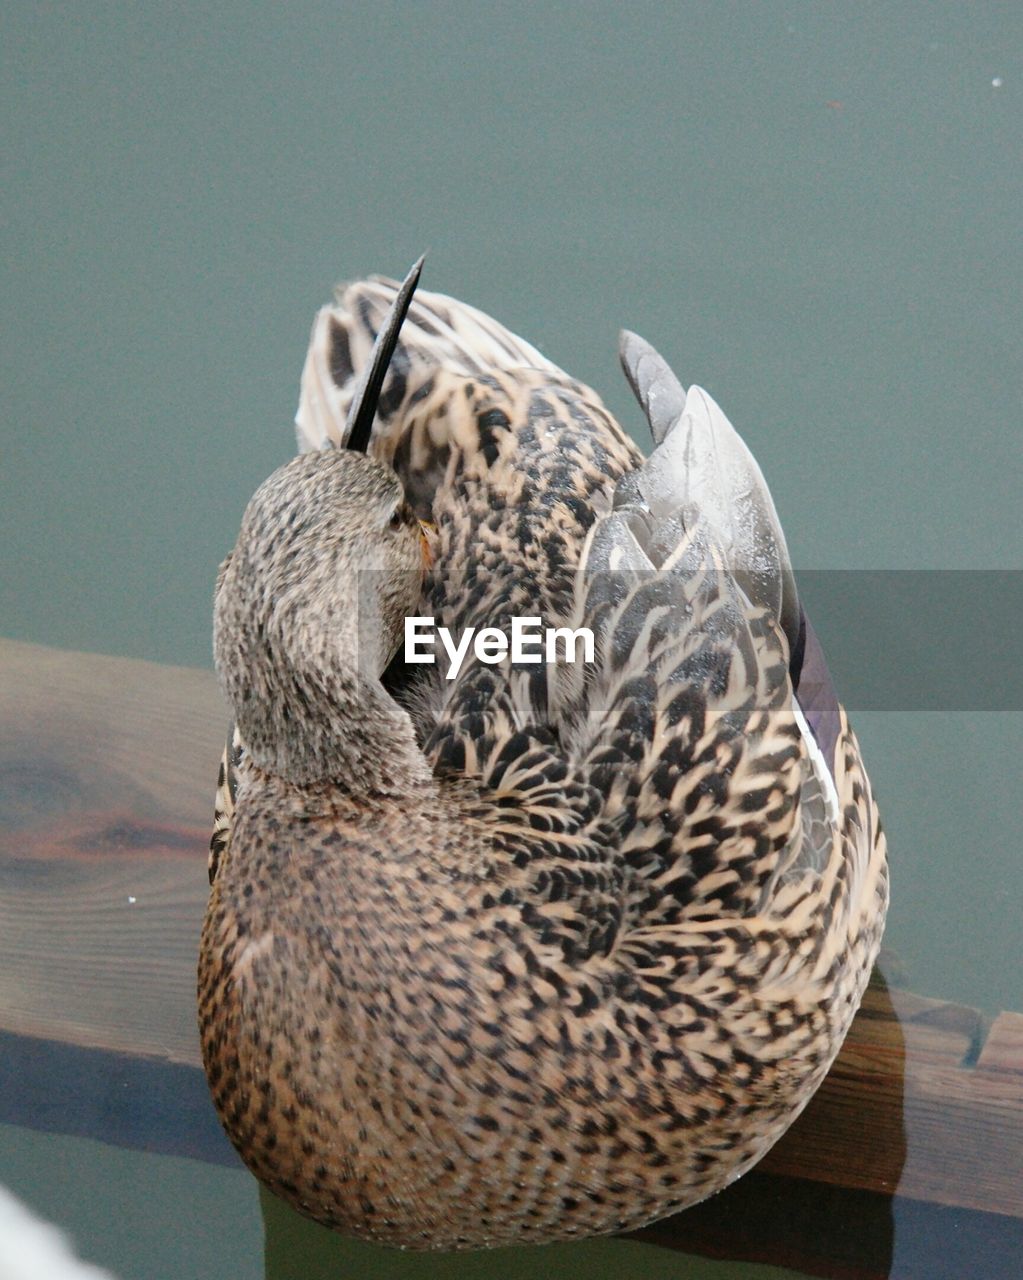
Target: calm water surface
[(814, 212)]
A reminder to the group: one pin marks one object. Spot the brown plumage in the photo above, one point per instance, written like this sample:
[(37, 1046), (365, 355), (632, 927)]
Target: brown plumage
[(541, 951)]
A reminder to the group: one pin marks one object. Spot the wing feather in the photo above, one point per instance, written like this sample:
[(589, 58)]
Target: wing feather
[(688, 582)]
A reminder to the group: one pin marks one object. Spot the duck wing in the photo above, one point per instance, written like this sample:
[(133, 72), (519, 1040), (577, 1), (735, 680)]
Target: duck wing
[(689, 722)]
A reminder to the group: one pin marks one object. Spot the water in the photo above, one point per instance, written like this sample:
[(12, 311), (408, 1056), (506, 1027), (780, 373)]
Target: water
[(812, 211)]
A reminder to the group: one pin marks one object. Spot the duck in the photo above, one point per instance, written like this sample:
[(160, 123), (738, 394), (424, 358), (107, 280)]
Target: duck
[(549, 949)]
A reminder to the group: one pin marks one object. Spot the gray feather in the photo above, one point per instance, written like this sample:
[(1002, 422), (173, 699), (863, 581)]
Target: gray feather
[(702, 469), (660, 394)]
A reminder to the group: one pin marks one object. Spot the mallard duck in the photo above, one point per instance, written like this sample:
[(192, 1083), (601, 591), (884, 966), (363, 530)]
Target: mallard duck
[(545, 950)]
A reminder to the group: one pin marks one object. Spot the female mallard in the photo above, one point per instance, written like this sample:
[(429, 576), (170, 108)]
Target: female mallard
[(545, 950)]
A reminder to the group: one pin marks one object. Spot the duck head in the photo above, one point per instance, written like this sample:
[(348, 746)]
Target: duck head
[(310, 609), (310, 605)]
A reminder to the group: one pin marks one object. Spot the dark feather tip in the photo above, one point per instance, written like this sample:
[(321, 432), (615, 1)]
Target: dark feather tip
[(359, 426)]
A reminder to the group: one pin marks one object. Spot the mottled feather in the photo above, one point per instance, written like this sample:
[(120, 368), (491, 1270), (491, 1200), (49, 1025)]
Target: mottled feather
[(594, 968)]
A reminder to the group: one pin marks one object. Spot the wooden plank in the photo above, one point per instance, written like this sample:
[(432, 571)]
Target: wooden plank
[(88, 733), (905, 1108), (107, 772), (1003, 1048), (106, 778)]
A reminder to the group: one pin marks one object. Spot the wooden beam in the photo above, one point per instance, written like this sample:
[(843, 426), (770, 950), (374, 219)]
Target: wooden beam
[(926, 1099), (107, 771)]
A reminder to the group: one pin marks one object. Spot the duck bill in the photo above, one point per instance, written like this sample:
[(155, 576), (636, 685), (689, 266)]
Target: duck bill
[(427, 536)]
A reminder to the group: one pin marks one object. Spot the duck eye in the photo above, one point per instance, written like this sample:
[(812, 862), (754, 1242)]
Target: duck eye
[(396, 520)]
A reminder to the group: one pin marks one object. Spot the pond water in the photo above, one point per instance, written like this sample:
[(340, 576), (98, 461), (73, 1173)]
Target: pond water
[(813, 211)]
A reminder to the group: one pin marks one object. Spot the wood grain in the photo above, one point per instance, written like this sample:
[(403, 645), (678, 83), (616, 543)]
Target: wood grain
[(918, 1103), (107, 771)]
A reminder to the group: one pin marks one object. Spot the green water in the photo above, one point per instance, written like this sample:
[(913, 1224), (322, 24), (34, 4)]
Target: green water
[(814, 210), (154, 1219)]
